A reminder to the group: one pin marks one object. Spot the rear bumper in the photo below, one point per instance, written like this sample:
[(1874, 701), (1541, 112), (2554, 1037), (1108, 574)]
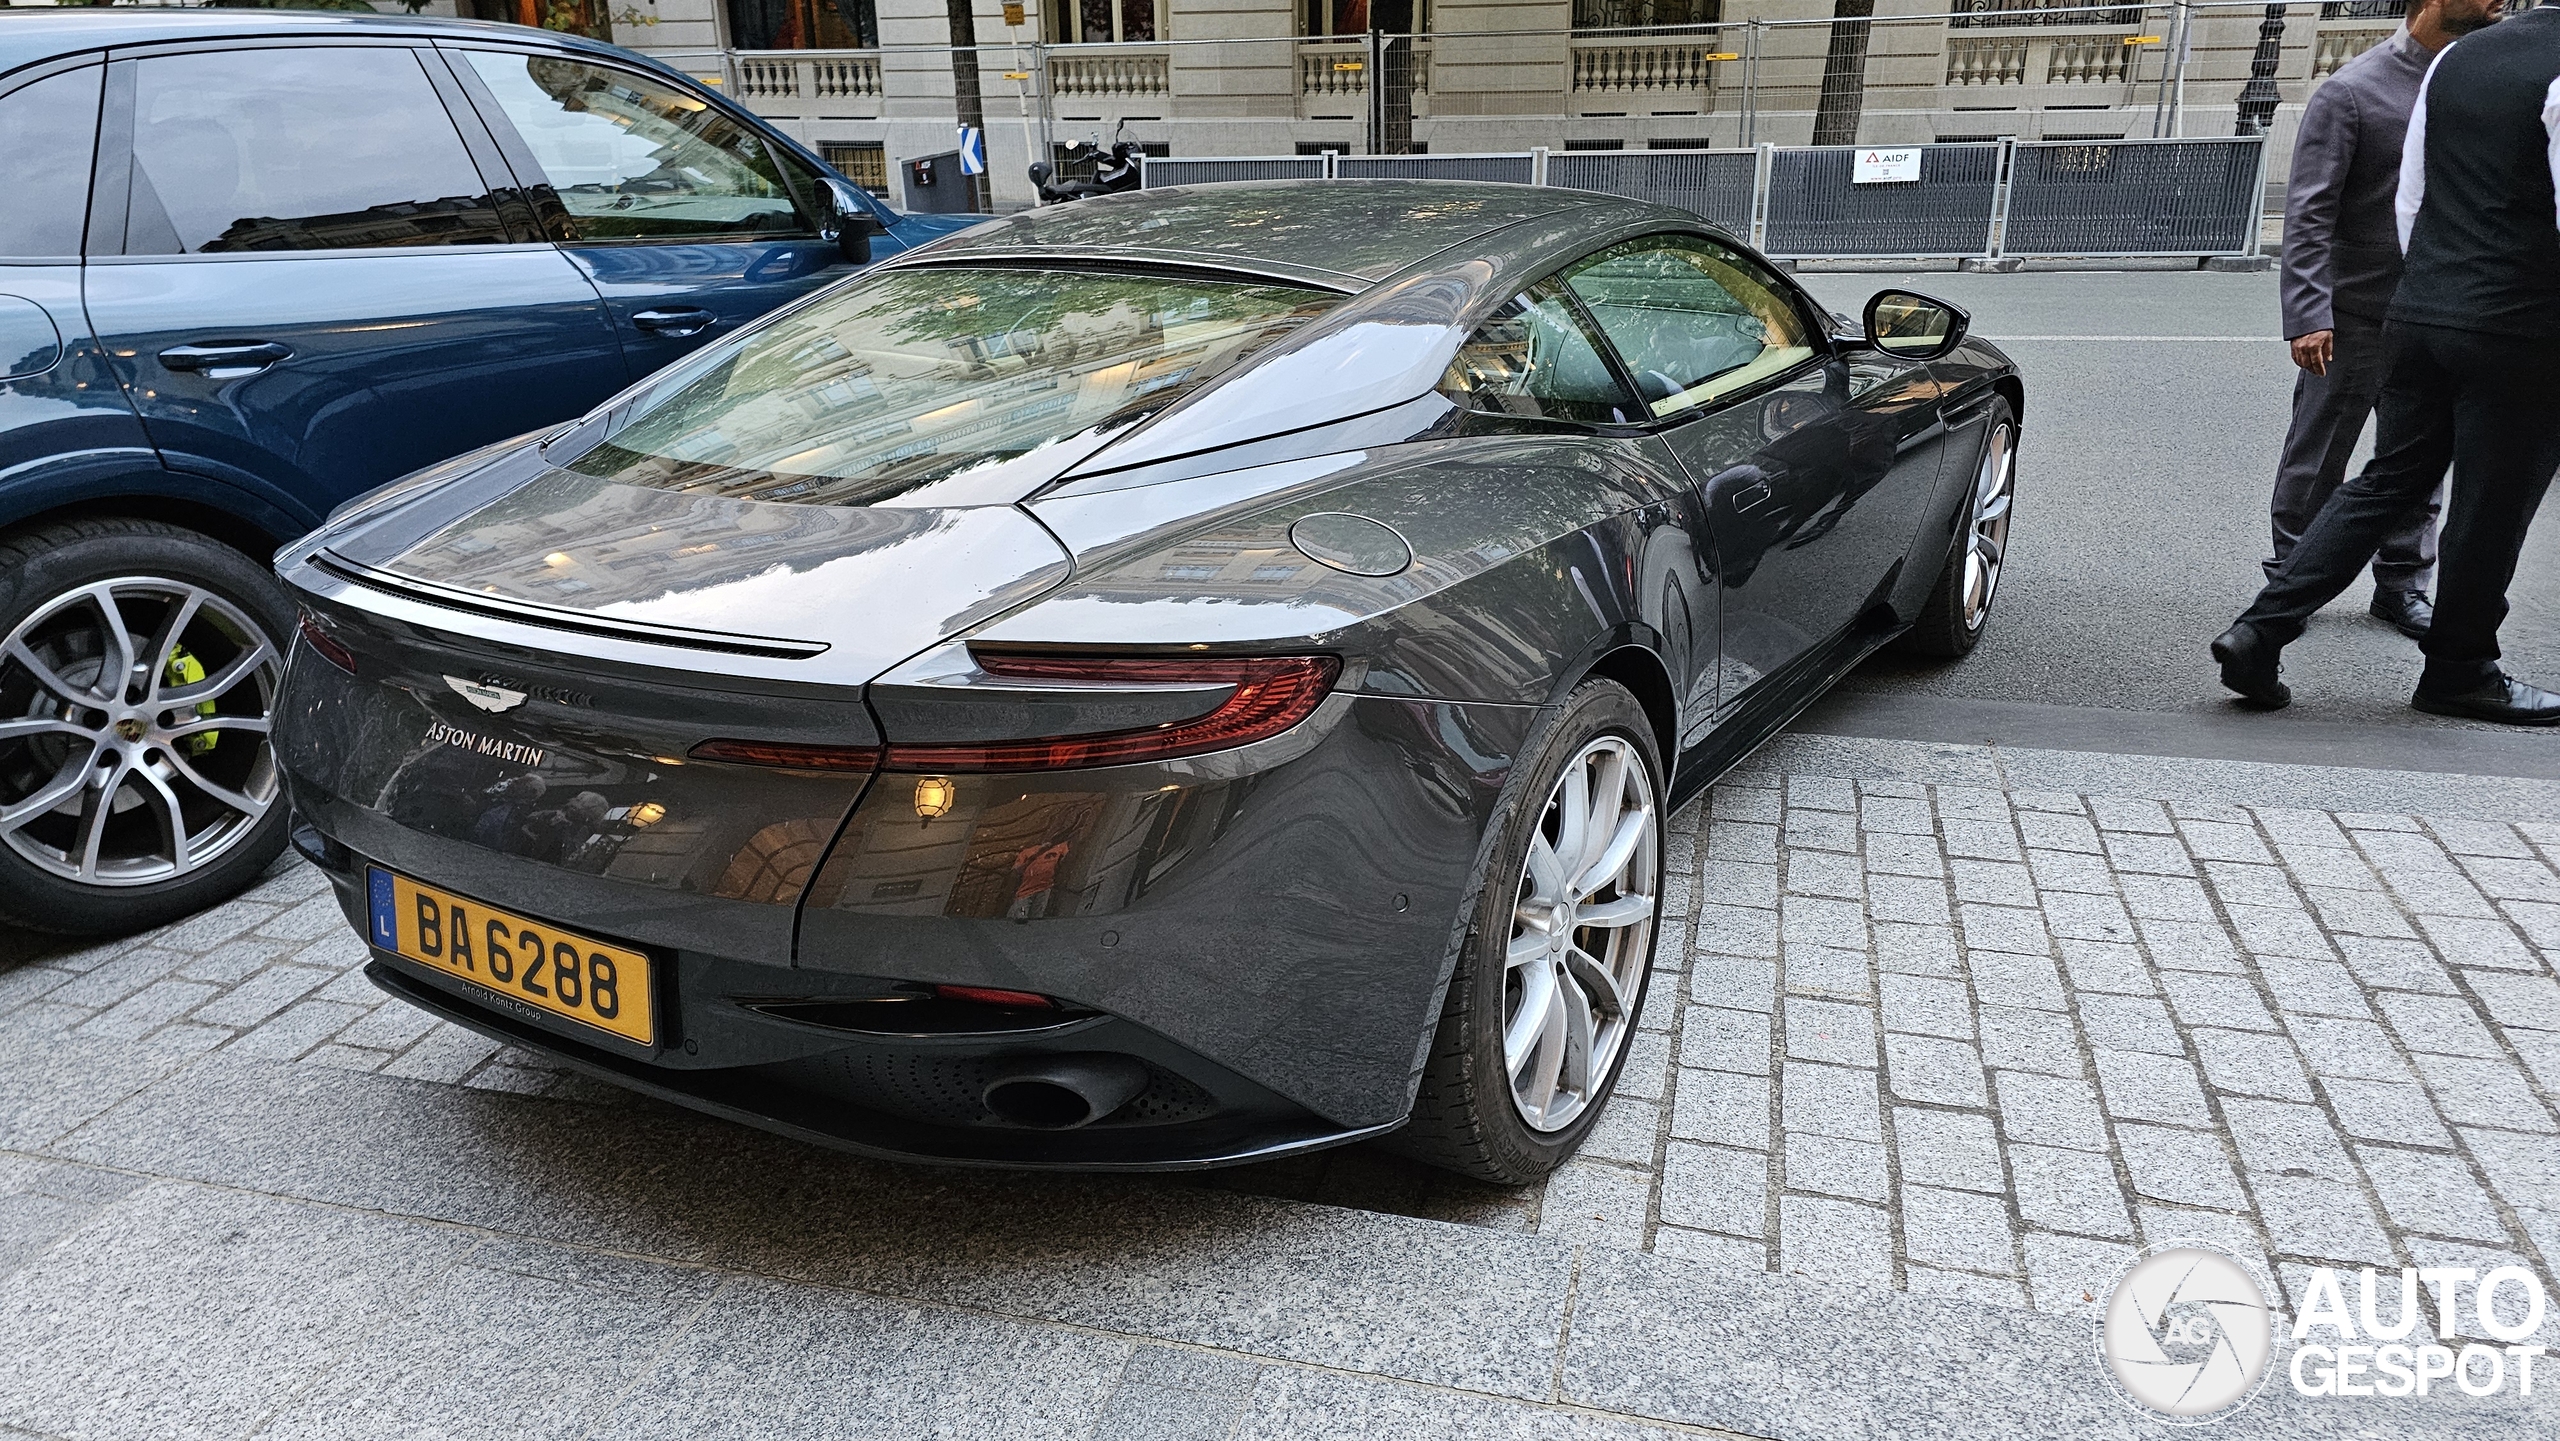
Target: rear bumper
[(1267, 930), (828, 1098)]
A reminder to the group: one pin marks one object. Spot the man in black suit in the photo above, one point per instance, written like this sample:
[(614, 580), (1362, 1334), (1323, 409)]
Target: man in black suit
[(2470, 378)]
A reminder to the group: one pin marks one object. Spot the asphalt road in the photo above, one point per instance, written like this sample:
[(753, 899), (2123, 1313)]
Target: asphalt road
[(2156, 401)]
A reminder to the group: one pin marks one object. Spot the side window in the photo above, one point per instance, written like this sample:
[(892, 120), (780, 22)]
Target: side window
[(298, 149), (635, 160), (1693, 320), (48, 133), (1534, 359)]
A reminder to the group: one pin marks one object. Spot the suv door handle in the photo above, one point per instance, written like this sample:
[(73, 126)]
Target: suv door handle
[(224, 359), (676, 324)]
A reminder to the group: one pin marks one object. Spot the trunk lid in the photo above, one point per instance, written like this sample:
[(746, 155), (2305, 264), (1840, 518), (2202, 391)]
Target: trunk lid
[(538, 653), (837, 594)]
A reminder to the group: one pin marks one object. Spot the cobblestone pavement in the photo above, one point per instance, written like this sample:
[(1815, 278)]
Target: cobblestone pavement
[(1920, 1030), (1950, 1039), (1942, 1038)]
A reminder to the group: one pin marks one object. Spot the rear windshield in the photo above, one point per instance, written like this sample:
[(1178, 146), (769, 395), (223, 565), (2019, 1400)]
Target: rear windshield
[(920, 375)]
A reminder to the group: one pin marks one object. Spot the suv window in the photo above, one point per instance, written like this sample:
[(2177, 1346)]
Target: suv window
[(48, 133), (632, 159), (298, 149), (1695, 321), (1533, 358)]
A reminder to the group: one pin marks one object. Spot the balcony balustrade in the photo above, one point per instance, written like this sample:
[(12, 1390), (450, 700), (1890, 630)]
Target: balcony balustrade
[(1117, 72), (807, 74), (1618, 68), (2337, 47), (2049, 60), (1341, 68)]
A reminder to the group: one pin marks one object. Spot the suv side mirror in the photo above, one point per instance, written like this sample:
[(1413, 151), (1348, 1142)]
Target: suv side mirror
[(852, 223), (1913, 326)]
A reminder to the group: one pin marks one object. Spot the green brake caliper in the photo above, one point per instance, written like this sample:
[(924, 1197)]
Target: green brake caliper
[(185, 669)]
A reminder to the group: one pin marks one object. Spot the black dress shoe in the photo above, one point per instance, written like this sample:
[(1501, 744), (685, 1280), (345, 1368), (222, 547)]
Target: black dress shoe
[(2249, 666), (2406, 611), (2502, 698)]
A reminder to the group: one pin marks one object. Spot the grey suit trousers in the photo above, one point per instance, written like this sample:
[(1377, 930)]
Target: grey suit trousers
[(2329, 414)]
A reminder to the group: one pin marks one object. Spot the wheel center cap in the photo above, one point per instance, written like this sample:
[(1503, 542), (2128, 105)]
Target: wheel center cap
[(132, 728)]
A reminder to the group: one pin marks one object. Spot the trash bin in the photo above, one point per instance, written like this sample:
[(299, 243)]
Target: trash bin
[(935, 185)]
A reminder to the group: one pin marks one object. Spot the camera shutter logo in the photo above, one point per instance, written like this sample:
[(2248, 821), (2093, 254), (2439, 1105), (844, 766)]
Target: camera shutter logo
[(2186, 1333)]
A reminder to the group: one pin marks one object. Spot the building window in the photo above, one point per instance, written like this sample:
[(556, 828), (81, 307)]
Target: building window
[(1684, 142), (569, 17), (1098, 22), (804, 24), (1320, 18), (863, 162), (1644, 14), (1595, 145)]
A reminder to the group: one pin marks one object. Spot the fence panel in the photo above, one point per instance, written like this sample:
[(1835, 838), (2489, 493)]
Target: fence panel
[(1716, 185), (2134, 197), (1817, 210), (1516, 169), (1158, 172)]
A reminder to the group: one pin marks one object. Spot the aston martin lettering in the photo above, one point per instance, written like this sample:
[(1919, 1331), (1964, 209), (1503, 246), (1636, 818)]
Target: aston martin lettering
[(516, 752)]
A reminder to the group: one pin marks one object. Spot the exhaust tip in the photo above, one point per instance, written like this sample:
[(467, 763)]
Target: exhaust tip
[(1060, 1093)]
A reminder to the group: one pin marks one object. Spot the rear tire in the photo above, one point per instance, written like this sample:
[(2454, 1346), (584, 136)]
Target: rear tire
[(1481, 1110), (1952, 620), (139, 665)]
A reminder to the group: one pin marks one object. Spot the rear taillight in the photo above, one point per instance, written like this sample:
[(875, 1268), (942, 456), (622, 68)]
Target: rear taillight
[(992, 996), (327, 646), (1272, 693), (789, 757)]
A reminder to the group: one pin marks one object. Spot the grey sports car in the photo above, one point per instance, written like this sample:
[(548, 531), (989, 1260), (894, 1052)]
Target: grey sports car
[(1108, 690)]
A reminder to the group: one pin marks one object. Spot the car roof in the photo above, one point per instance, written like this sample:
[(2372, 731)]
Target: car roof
[(31, 34), (1343, 230)]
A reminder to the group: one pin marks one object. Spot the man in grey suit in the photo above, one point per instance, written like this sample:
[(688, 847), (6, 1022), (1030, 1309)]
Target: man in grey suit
[(2341, 264)]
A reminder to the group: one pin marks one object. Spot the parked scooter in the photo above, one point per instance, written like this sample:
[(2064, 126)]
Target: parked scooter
[(1114, 170)]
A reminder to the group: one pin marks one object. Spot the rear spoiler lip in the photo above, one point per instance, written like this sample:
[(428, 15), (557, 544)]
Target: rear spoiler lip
[(429, 593)]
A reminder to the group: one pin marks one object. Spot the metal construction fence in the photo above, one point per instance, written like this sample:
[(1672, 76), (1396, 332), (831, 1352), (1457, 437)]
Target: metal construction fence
[(1987, 199)]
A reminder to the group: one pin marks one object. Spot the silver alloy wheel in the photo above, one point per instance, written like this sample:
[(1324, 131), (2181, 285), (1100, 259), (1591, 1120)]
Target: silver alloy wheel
[(1581, 933), (1987, 537), (134, 731)]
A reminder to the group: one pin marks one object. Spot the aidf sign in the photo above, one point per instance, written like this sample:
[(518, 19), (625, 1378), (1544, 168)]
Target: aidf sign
[(1883, 167)]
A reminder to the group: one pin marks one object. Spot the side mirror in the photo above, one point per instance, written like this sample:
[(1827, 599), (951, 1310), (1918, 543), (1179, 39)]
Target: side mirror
[(1913, 327), (852, 223)]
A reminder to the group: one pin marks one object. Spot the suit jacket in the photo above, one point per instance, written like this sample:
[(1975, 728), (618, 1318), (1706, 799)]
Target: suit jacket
[(2341, 239)]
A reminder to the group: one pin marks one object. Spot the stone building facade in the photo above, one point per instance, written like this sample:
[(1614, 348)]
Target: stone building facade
[(872, 82)]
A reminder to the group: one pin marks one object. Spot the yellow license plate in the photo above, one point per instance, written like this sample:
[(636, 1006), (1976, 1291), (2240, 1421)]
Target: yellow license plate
[(533, 962)]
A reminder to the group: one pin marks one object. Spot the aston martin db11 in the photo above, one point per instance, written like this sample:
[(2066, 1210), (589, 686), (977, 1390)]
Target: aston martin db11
[(1166, 681)]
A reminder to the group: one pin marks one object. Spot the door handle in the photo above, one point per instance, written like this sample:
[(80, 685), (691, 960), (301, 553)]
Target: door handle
[(676, 324), (224, 359)]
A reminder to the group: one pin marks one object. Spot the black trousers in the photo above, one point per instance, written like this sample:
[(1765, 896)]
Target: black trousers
[(2329, 412), (2486, 404)]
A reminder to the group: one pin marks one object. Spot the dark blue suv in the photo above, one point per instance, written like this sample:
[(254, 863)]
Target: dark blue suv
[(253, 264)]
